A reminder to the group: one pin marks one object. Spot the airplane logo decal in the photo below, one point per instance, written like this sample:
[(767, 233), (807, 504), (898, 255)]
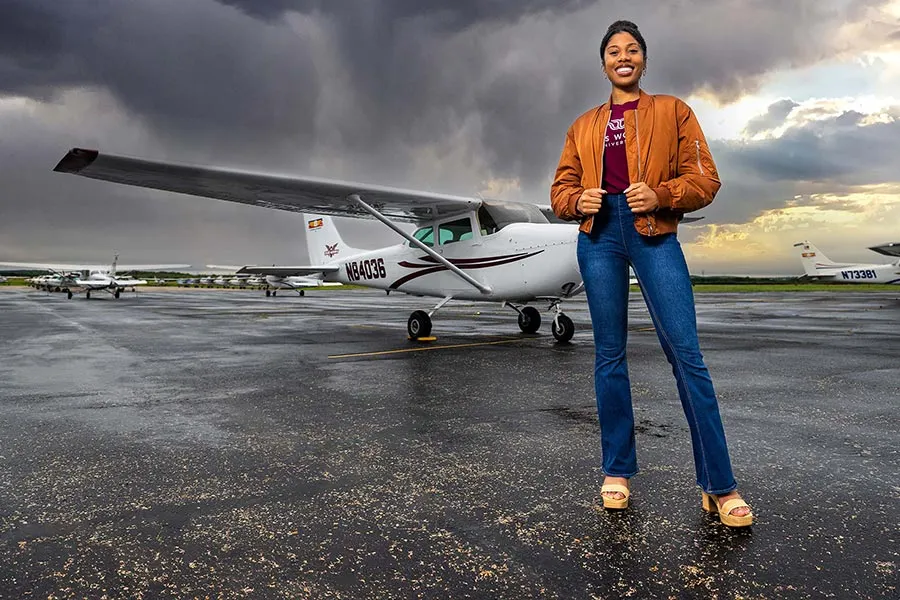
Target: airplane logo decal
[(316, 223), (331, 250)]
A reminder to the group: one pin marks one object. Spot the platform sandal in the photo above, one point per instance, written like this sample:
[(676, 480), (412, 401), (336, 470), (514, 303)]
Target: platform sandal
[(711, 504), (615, 503)]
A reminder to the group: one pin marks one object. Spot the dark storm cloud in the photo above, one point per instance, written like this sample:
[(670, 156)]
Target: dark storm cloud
[(773, 118), (193, 70), (444, 16)]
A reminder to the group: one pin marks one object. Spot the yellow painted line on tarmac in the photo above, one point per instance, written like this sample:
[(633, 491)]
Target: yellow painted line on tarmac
[(645, 329), (422, 349)]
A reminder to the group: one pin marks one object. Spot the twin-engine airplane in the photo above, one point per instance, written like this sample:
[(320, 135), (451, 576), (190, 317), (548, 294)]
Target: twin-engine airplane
[(71, 279), (464, 248), (817, 265)]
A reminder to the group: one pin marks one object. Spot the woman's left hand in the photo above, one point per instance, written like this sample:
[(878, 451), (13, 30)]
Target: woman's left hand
[(641, 198)]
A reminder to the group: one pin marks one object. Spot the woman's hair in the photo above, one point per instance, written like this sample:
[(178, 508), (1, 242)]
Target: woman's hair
[(623, 27)]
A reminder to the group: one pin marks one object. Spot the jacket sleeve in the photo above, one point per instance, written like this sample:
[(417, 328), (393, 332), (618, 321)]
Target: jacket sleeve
[(566, 187), (697, 180)]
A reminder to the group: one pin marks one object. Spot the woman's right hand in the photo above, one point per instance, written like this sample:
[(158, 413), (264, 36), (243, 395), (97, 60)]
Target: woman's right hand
[(590, 201)]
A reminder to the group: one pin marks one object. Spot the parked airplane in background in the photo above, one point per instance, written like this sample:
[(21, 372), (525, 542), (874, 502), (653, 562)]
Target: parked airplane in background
[(72, 278), (817, 265), (464, 248), (271, 282)]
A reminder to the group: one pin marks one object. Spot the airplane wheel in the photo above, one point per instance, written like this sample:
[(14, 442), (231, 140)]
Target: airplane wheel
[(529, 320), (302, 293), (565, 329), (116, 294), (87, 295), (69, 294), (268, 293), (419, 324), (274, 292)]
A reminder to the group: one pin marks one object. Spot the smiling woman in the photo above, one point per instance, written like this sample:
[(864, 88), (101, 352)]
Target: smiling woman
[(629, 196)]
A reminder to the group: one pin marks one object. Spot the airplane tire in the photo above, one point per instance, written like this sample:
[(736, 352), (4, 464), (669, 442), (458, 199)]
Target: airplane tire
[(69, 294), (302, 293), (419, 324), (116, 294), (268, 293), (565, 329), (87, 295), (529, 320), (274, 292)]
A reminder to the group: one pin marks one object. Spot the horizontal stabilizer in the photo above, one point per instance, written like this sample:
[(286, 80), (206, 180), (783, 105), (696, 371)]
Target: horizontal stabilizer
[(288, 271)]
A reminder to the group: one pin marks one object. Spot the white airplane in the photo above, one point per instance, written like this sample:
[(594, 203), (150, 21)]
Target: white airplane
[(72, 278), (464, 248), (817, 265), (3, 279), (275, 281)]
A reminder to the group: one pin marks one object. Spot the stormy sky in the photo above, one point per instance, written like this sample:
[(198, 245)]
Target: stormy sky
[(800, 100)]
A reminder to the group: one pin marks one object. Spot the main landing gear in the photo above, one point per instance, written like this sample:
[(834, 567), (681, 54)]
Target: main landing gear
[(275, 292), (530, 321), (419, 324)]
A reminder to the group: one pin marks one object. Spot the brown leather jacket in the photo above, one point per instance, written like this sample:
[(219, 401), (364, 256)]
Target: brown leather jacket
[(666, 149)]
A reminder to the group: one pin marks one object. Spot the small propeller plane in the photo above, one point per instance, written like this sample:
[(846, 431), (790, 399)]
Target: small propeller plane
[(275, 281), (819, 266), (71, 278), (464, 248)]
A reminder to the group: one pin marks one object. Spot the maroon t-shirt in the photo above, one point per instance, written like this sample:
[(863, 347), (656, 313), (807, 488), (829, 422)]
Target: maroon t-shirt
[(615, 161)]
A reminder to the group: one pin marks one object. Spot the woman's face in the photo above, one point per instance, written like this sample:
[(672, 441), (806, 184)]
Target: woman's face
[(623, 60)]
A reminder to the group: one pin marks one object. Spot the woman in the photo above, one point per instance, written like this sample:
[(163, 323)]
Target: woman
[(629, 189)]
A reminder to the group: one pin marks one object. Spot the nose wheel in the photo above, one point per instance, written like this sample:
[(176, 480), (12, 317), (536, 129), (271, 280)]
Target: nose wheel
[(563, 328)]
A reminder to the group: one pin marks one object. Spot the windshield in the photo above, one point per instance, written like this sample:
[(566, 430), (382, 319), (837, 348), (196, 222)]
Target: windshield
[(495, 215)]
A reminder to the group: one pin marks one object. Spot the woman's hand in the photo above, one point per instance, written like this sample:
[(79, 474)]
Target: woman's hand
[(641, 198), (590, 201)]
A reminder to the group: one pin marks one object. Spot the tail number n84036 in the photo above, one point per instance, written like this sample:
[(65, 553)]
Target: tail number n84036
[(372, 268)]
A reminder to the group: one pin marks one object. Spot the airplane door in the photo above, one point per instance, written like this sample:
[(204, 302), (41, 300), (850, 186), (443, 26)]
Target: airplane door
[(458, 243)]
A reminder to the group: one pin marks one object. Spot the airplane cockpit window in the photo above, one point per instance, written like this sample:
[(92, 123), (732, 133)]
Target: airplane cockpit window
[(455, 231), (495, 215), (424, 235)]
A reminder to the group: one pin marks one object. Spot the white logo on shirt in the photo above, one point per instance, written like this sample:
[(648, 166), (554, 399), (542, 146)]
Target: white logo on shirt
[(618, 138)]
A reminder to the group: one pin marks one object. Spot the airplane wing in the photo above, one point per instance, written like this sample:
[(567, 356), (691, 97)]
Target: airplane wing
[(551, 216), (291, 193), (889, 249), (76, 267), (287, 271)]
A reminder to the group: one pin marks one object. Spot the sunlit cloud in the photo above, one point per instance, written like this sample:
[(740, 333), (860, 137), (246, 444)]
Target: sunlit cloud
[(843, 224)]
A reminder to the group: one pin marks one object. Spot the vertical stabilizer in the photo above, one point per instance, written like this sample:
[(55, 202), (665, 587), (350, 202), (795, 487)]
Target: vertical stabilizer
[(323, 241), (813, 260), (112, 267)]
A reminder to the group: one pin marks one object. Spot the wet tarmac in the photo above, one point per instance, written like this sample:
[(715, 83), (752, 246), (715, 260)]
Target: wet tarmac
[(227, 445)]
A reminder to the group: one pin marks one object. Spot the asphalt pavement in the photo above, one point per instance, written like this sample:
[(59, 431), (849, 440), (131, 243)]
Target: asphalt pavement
[(201, 443)]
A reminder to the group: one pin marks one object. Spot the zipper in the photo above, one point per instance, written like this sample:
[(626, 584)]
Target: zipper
[(599, 169), (699, 164), (650, 218)]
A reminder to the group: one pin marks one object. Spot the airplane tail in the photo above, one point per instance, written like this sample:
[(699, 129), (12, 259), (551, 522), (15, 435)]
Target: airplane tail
[(112, 267), (323, 241), (813, 260)]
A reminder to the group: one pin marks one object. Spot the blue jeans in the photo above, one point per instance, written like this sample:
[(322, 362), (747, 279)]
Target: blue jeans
[(658, 262)]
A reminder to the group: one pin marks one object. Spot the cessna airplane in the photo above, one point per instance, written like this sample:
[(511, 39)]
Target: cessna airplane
[(464, 248), (70, 279), (819, 266)]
